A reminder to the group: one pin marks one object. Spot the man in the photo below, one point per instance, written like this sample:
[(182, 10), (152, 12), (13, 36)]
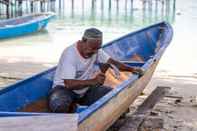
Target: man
[(75, 79)]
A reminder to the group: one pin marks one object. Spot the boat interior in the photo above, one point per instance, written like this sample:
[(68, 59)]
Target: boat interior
[(112, 80)]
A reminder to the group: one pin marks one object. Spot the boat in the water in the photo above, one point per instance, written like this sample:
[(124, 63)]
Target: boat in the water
[(24, 25), (24, 106)]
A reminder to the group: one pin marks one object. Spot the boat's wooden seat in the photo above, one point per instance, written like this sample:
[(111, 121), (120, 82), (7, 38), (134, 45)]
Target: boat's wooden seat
[(38, 106)]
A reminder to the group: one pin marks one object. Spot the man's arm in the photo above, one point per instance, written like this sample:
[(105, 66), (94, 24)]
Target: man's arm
[(120, 66), (80, 84), (123, 67)]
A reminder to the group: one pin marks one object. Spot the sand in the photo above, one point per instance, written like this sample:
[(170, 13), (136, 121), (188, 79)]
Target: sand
[(178, 114)]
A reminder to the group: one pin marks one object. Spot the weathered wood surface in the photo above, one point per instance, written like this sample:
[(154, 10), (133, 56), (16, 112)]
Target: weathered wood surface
[(154, 97), (133, 123), (38, 106), (175, 97), (59, 122), (103, 118), (144, 122), (152, 123)]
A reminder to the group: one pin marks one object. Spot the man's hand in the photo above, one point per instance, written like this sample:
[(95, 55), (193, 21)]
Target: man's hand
[(104, 67), (138, 71), (99, 79)]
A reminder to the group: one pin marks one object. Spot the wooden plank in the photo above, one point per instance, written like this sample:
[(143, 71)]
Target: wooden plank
[(133, 123), (150, 102), (175, 97), (56, 122), (38, 106), (152, 123)]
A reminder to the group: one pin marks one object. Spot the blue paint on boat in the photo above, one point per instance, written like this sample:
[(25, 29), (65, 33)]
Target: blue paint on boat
[(24, 25), (21, 93), (10, 114), (18, 95)]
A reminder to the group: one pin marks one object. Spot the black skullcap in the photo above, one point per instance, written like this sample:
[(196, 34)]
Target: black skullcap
[(92, 33)]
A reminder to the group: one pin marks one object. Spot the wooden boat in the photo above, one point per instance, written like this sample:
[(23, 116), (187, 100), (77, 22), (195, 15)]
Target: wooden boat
[(27, 99), (24, 25)]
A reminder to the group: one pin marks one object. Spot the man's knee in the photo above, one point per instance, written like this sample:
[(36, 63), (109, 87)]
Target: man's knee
[(95, 93), (60, 100), (105, 89)]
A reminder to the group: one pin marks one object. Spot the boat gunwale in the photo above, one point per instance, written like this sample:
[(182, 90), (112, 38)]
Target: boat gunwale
[(134, 32), (13, 86), (49, 16)]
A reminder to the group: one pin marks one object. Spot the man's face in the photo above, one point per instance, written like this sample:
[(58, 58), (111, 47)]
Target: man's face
[(91, 47)]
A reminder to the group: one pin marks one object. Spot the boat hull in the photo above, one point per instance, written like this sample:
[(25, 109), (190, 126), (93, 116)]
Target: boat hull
[(101, 114), (25, 28)]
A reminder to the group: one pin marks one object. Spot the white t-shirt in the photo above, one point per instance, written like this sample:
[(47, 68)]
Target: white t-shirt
[(73, 66)]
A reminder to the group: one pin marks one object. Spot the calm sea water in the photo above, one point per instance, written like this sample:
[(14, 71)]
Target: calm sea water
[(21, 57)]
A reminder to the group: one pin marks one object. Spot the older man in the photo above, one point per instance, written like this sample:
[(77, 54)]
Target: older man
[(74, 79)]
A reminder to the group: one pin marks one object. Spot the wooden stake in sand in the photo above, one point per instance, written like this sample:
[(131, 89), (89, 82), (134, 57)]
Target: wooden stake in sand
[(134, 122)]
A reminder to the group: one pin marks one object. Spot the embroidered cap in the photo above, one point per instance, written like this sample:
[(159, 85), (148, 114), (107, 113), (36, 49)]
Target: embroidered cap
[(92, 33)]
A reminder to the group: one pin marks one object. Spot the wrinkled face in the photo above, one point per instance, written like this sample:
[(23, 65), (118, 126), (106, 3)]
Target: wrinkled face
[(91, 47)]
